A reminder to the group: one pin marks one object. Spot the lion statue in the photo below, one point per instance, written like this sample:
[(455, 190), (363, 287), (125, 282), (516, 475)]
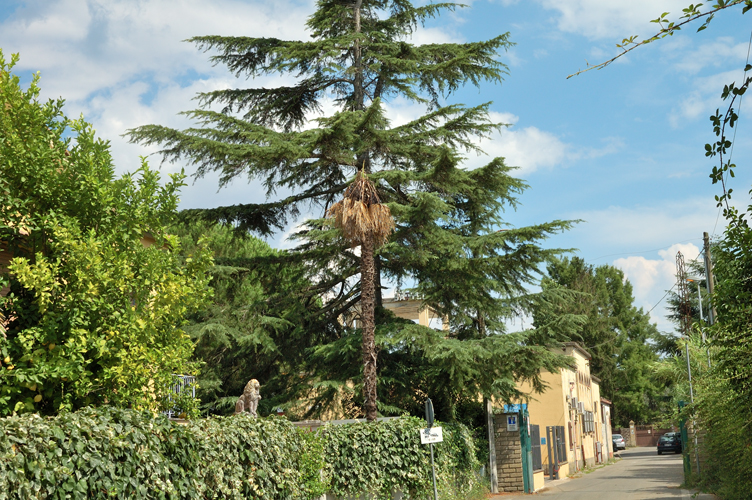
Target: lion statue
[(248, 402)]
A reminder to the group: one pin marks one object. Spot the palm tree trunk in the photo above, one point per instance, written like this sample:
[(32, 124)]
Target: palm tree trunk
[(367, 309)]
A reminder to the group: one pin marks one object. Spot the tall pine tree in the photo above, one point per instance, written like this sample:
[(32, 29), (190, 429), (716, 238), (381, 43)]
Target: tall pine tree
[(448, 239)]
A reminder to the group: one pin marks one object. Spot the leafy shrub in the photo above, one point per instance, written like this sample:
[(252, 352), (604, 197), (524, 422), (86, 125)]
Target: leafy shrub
[(723, 413), (106, 453), (113, 453), (382, 457), (94, 312)]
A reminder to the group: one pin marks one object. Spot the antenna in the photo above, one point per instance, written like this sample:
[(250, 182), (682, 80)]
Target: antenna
[(685, 309)]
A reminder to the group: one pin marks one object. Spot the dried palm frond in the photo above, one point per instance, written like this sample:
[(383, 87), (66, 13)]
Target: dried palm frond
[(361, 214)]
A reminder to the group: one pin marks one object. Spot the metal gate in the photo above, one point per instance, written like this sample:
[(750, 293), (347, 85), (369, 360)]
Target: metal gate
[(527, 450), (536, 446), (647, 436)]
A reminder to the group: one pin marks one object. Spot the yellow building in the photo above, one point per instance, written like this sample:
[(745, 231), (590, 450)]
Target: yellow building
[(403, 307), (572, 401)]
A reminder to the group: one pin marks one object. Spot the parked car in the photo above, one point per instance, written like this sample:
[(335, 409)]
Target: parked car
[(618, 441), (671, 441)]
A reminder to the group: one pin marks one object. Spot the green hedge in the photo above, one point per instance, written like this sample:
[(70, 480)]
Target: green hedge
[(387, 456), (111, 453)]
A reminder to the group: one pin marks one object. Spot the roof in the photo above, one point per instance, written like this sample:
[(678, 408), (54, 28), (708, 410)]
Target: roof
[(577, 347)]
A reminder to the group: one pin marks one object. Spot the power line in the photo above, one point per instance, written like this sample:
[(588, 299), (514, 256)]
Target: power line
[(661, 299), (669, 290), (642, 251)]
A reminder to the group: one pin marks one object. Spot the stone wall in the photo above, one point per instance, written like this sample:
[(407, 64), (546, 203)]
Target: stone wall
[(508, 456)]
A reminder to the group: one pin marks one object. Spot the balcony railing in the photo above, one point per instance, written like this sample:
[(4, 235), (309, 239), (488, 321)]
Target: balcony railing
[(182, 384)]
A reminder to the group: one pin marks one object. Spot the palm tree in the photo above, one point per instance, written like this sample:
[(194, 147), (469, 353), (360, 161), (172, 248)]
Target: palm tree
[(365, 221)]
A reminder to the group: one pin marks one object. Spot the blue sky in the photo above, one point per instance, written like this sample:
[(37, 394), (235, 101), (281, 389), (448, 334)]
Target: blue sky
[(620, 148)]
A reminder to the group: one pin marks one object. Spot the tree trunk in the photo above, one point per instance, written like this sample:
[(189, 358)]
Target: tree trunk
[(377, 281), (358, 93), (367, 282)]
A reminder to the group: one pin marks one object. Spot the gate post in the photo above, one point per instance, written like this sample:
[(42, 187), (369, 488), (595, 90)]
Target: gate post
[(492, 470), (632, 434), (526, 450)]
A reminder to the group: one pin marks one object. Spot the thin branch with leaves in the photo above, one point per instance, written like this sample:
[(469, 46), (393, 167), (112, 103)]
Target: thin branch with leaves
[(668, 28)]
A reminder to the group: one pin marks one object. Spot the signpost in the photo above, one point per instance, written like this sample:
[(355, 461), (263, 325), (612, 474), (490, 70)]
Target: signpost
[(431, 435)]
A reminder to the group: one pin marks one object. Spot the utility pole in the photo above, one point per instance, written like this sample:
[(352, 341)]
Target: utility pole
[(685, 311), (709, 278), (702, 320)]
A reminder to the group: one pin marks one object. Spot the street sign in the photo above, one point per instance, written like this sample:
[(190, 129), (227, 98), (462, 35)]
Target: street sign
[(429, 413), (515, 408), (431, 435), (512, 423)]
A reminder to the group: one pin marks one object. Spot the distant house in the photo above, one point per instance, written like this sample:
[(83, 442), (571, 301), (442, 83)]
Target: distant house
[(403, 307), (573, 404)]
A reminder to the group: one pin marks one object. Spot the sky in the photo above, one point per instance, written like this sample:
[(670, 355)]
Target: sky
[(621, 149)]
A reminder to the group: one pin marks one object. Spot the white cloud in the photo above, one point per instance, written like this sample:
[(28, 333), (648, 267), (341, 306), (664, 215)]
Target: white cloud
[(718, 53), (606, 19), (123, 63), (87, 47), (703, 100), (641, 226), (531, 148), (640, 231), (651, 278), (424, 36), (528, 148)]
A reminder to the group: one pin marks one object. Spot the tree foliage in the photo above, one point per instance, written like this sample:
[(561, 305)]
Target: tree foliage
[(451, 242), (619, 337), (260, 323), (93, 315)]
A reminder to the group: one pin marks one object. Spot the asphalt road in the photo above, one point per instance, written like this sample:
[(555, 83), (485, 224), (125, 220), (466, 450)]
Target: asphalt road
[(640, 474)]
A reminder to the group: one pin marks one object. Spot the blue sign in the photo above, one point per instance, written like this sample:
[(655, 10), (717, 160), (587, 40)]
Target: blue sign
[(543, 440), (515, 408)]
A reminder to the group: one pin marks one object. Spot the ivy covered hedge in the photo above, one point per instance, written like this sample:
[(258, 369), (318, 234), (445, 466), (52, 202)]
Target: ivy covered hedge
[(387, 456), (111, 453)]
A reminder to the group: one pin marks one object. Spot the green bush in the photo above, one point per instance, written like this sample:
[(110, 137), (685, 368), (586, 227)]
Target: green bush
[(723, 414), (387, 456), (113, 453), (106, 452)]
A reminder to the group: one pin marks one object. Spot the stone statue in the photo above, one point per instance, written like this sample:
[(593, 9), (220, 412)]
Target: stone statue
[(249, 400)]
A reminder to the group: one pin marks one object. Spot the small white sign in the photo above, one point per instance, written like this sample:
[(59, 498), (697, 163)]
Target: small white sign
[(431, 435), (512, 423)]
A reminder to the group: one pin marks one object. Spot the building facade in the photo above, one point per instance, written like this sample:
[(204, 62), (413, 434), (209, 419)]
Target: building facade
[(572, 401)]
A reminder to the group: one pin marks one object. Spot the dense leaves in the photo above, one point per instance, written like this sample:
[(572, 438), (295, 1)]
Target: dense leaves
[(110, 453), (97, 291), (259, 324), (104, 453), (451, 242), (619, 337), (387, 457)]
